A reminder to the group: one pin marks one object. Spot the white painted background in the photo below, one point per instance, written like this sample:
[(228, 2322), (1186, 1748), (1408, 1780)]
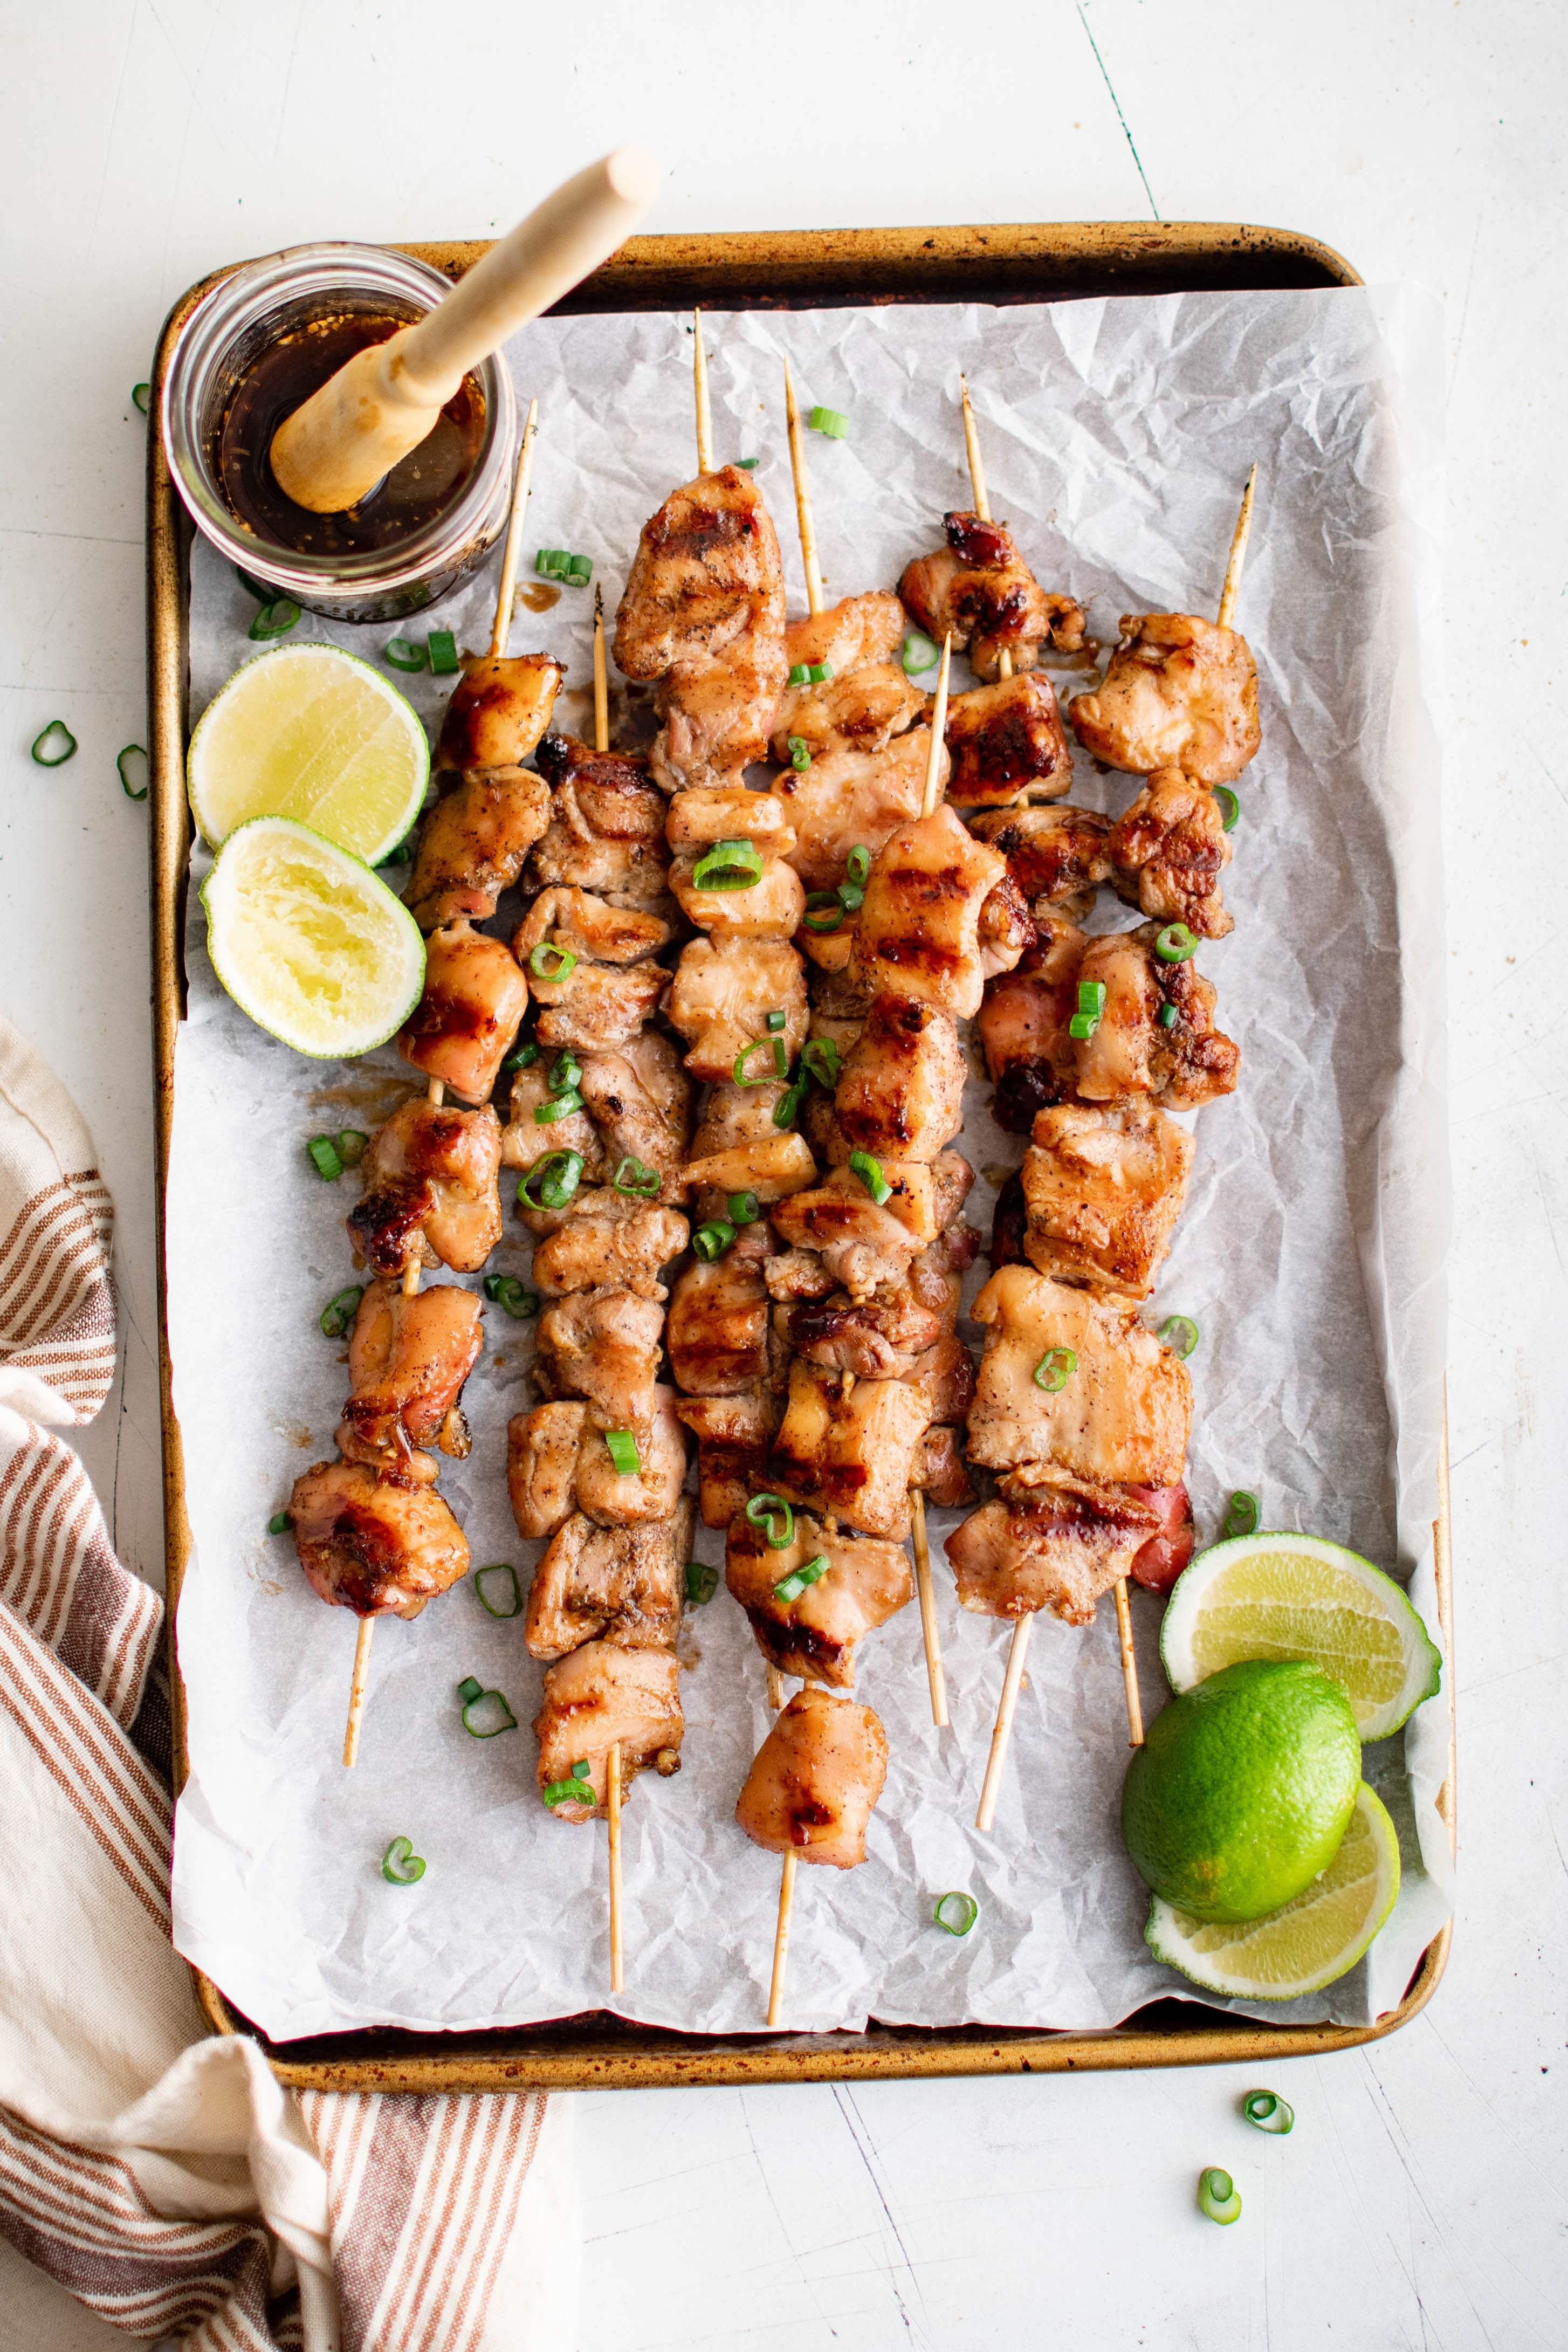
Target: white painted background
[(1422, 2199)]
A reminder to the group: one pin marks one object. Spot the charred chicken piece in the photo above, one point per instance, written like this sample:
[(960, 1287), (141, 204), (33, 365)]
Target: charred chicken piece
[(595, 1006), (1123, 1410), (432, 1193), (473, 844), (1054, 1550), (592, 928), (704, 612), (851, 799), (1169, 850), (1006, 740), (603, 1346), (921, 932), (879, 1339), (719, 1320), (733, 1434), (769, 907), (722, 995), (813, 1633), (558, 1462), (474, 1000), (607, 827), (498, 710), (813, 1784), (1179, 692), (1023, 1026), (900, 1091), (639, 1098), (980, 587), (867, 698), (863, 1245), (1056, 856), (409, 1358), (623, 1244), (1156, 1036), (939, 1470), (381, 1544), (602, 1693), (1102, 1191), (849, 1448), (623, 1585)]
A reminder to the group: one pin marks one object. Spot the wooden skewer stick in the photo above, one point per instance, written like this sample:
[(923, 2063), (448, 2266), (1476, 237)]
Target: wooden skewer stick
[(700, 385), (601, 683), (803, 514), (1128, 1665), (1011, 1683), (513, 550), (1232, 588), (978, 491), (933, 794), (781, 1937)]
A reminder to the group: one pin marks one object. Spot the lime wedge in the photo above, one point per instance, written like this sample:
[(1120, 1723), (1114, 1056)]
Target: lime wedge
[(309, 941), (1288, 1596), (1309, 1941), (314, 733)]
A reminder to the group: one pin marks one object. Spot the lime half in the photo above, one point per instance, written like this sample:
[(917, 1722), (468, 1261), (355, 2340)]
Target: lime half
[(1308, 1942), (314, 733), (1287, 1596), (309, 941)]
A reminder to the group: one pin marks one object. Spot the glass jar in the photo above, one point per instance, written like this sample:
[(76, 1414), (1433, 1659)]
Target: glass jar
[(222, 338)]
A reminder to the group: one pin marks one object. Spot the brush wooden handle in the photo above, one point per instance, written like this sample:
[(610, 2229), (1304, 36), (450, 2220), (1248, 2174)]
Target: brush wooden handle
[(383, 401)]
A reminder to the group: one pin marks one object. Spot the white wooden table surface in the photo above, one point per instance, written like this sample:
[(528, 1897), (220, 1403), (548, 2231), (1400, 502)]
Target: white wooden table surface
[(1421, 2201)]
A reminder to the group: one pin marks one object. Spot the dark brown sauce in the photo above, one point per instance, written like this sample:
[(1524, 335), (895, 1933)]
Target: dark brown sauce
[(539, 596), (417, 490)]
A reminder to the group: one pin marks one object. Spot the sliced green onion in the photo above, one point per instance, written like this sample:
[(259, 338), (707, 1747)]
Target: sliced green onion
[(701, 1581), (775, 1020), (1229, 807), (352, 1142), (274, 620), (498, 1567), (325, 1158), (819, 673), (258, 589), (55, 746), (1268, 2111), (1054, 1370), (791, 1586), (623, 1451), (566, 961), (637, 1178), (579, 569), (744, 1209), (1242, 1514), (771, 1507), (787, 1107), (340, 1312), (1179, 1333), (512, 1296), (399, 854), (728, 865), (919, 652), (565, 1071), (823, 910), (800, 675), (280, 1523), (851, 898), (956, 1912), (523, 1057), (551, 562), (443, 650), (1091, 1009), (779, 1056), (790, 1589), (580, 1769), (822, 1058), (141, 394), (400, 1865), (403, 654), (481, 1709), (569, 1792), (799, 752), (558, 1107), (869, 1171), (858, 864), (1216, 2195), (829, 421), (1167, 1016), (1175, 943), (746, 464), (132, 763), (470, 1689), (711, 1240), (554, 1191)]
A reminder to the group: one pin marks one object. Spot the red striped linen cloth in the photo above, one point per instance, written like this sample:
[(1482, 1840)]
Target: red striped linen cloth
[(161, 2177)]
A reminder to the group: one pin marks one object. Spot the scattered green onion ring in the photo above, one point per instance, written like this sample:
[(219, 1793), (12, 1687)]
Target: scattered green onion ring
[(746, 464), (830, 421), (1167, 1016), (558, 1107), (635, 1177), (280, 1523), (819, 673), (523, 1057), (771, 1507), (1242, 1514), (823, 910), (134, 754), (918, 654), (775, 1020), (351, 1144), (1180, 1334), (475, 1697), (569, 1792), (512, 1296), (728, 865), (1216, 2195), (701, 1581), (744, 1209), (791, 1587), (566, 961), (799, 752), (580, 1769), (443, 650), (850, 896), (964, 1918), (1175, 943), (554, 1191), (403, 654), (55, 746), (858, 864), (398, 855), (1229, 807), (141, 395), (274, 620), (1091, 1009), (325, 1158), (822, 1058), (400, 1865), (710, 1241), (779, 1057), (622, 1447), (1055, 1369), (498, 1567), (566, 1072), (340, 1312), (799, 675), (1268, 2111), (869, 1171), (788, 1104)]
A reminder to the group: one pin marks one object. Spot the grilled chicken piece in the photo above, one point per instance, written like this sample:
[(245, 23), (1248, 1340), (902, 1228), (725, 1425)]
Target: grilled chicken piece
[(867, 698), (1102, 1191), (796, 1274), (1023, 1026), (463, 1026), (879, 1339), (604, 1346), (473, 842), (848, 800), (939, 1470), (943, 1378), (1056, 856), (866, 1581), (527, 1138), (936, 1277), (624, 1586), (409, 1358), (1169, 850), (816, 1780), (380, 1545), (739, 1148), (1009, 1221), (722, 995), (558, 1461), (607, 827), (601, 1693), (980, 587), (920, 929), (432, 1193), (624, 1246), (639, 1098), (704, 612), (733, 1434), (900, 1092), (1006, 740), (1132, 1052), (498, 710), (1121, 1416), (1056, 1552), (593, 928), (768, 907), (848, 1449), (863, 1245), (595, 1007), (1179, 692), (717, 1330)]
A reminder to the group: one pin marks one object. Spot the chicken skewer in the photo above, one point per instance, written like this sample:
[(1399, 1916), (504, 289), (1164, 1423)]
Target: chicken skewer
[(612, 1765)]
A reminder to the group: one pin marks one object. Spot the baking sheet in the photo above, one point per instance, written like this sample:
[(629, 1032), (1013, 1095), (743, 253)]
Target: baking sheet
[(1116, 434)]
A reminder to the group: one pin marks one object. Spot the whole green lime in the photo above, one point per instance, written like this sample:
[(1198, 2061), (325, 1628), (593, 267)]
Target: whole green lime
[(1243, 1790)]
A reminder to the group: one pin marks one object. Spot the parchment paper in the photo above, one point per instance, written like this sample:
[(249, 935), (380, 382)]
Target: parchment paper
[(1117, 437)]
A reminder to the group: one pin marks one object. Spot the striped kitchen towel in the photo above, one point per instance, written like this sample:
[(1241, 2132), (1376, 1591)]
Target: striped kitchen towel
[(162, 2176)]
